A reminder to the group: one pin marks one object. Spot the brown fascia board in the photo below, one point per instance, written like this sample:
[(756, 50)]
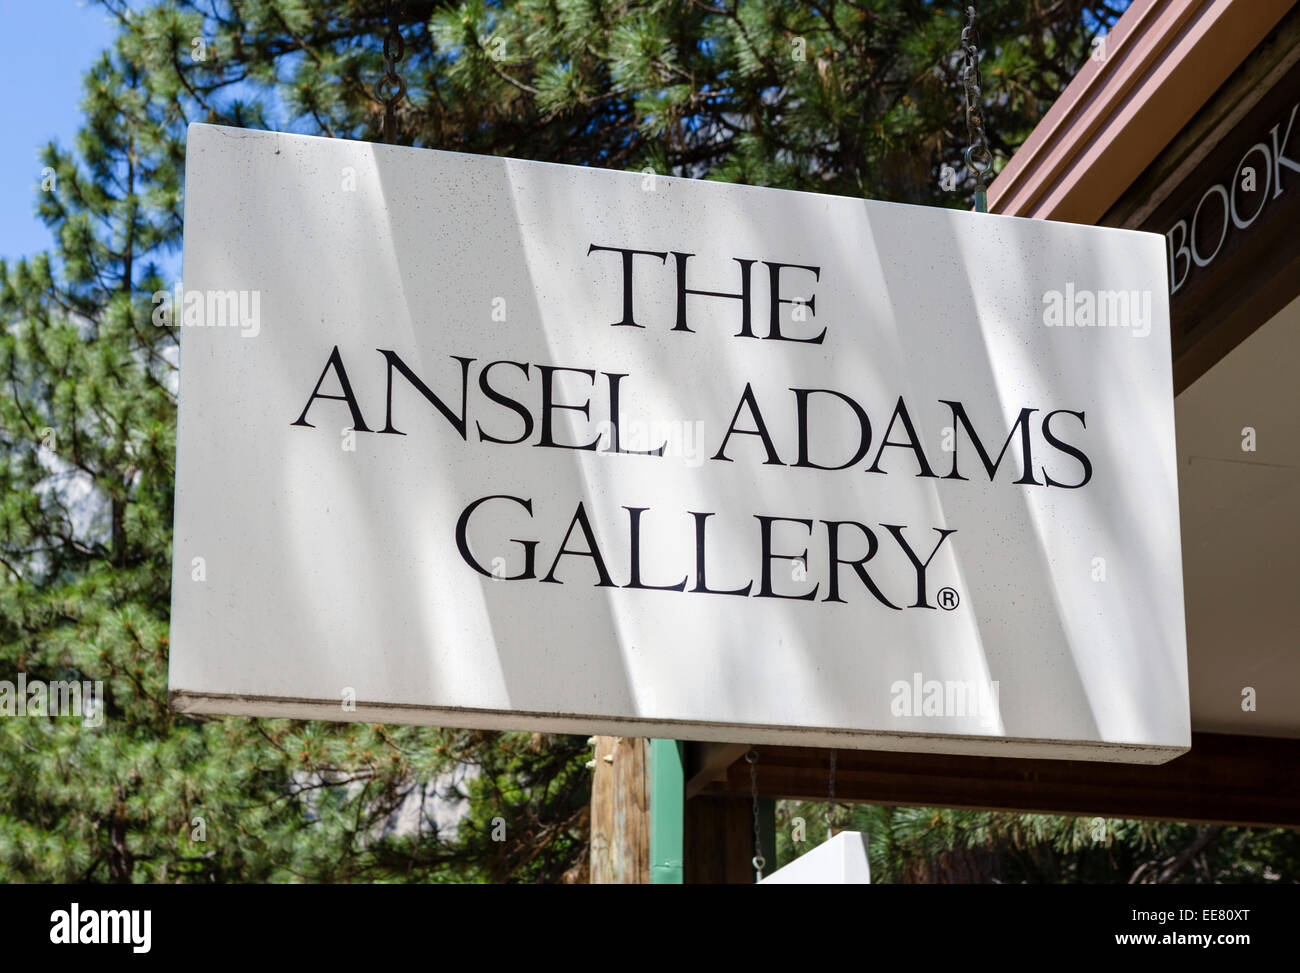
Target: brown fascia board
[(1164, 60)]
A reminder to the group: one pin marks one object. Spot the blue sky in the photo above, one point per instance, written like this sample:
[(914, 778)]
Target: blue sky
[(45, 48)]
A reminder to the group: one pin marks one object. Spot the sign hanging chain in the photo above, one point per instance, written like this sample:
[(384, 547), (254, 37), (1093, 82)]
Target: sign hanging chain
[(390, 89), (751, 757), (830, 802), (979, 160)]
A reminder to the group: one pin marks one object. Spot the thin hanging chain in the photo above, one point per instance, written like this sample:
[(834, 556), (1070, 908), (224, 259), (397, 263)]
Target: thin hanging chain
[(979, 160), (390, 89), (751, 757), (830, 802)]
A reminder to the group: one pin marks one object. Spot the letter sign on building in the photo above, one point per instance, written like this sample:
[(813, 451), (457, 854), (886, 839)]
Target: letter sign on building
[(477, 442)]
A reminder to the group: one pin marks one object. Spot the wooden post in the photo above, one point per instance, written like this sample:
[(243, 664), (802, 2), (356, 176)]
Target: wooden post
[(620, 812), (720, 839)]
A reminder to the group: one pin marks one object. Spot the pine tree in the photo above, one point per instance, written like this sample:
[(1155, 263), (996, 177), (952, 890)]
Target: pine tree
[(857, 98), (935, 845), (88, 440)]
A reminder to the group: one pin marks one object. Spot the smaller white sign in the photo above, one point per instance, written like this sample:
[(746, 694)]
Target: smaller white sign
[(842, 860)]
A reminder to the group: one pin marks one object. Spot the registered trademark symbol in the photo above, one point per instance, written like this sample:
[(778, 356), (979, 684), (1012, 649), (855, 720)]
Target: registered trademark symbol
[(948, 599)]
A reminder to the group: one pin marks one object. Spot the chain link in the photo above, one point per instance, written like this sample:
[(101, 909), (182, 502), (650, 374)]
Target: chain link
[(751, 757), (390, 89), (979, 159), (830, 802)]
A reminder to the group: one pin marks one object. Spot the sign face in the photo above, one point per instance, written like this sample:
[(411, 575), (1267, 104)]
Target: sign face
[(839, 860), (476, 442)]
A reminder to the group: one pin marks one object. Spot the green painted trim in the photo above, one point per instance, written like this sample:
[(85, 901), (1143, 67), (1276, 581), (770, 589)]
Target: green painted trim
[(667, 811)]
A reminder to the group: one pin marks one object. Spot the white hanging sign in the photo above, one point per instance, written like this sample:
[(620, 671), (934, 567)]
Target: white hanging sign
[(487, 443), (839, 860)]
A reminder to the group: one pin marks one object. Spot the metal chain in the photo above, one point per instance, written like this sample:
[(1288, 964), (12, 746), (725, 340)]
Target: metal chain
[(751, 757), (390, 89), (979, 159), (830, 802)]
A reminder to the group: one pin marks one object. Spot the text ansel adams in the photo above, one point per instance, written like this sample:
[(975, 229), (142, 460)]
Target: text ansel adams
[(478, 442)]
